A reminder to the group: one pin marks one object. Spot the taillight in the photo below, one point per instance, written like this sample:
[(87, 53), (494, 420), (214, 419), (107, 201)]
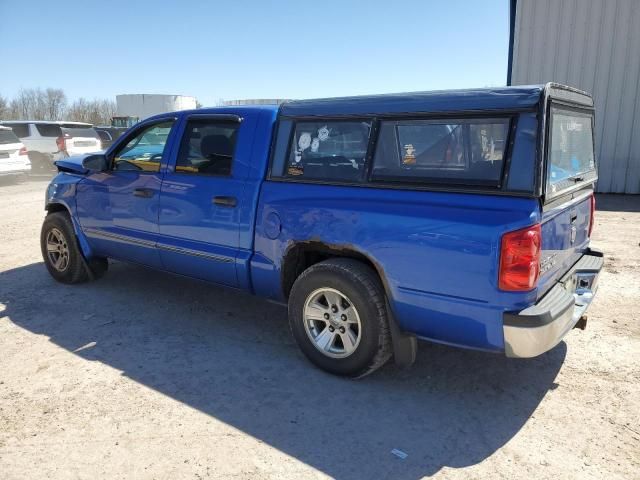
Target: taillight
[(520, 259), (592, 215), (23, 151), (61, 144)]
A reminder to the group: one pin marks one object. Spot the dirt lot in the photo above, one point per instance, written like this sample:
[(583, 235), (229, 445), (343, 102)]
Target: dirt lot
[(147, 375)]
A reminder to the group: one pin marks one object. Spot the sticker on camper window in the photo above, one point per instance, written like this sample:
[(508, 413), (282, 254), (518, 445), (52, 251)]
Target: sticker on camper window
[(315, 144), (295, 170), (304, 141), (409, 157), (323, 133)]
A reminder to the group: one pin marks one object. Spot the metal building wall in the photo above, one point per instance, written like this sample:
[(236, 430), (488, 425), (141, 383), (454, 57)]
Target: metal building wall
[(593, 45)]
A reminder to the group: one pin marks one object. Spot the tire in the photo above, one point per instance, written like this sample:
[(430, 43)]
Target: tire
[(58, 230), (362, 301)]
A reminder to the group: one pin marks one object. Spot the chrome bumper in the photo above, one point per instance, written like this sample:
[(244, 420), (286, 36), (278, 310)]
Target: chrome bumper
[(542, 326)]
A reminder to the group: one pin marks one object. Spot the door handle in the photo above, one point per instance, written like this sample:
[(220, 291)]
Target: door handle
[(143, 192), (224, 201)]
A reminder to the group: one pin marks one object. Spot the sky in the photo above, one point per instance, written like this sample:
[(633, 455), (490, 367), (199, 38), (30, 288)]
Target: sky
[(238, 49)]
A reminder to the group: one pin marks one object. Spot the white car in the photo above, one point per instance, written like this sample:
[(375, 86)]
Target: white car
[(13, 154), (51, 141)]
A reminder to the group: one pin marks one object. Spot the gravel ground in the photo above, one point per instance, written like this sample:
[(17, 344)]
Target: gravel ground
[(148, 375)]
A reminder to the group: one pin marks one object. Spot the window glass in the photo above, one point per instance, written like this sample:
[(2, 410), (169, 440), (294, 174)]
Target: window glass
[(144, 151), (7, 136), (20, 129), (331, 151), (571, 152), (464, 151), (48, 129), (207, 147)]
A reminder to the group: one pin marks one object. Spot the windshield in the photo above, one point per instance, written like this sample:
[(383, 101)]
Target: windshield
[(571, 148), (7, 136)]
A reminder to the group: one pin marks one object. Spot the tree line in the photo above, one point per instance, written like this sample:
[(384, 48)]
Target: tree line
[(52, 104)]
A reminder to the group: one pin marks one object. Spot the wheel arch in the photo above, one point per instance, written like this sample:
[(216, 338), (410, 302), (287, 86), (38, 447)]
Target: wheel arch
[(56, 207), (303, 254)]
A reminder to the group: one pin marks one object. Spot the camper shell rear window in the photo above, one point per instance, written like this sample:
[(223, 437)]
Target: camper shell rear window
[(570, 151)]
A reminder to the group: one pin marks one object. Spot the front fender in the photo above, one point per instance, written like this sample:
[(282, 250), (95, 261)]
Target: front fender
[(61, 196)]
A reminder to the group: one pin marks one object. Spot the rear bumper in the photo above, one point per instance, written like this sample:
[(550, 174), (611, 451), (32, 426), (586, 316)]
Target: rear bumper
[(542, 326)]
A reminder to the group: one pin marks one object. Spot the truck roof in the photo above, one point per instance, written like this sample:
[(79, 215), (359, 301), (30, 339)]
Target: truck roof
[(520, 97)]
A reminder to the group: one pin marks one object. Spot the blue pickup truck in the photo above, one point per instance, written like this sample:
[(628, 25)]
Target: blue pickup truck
[(460, 217)]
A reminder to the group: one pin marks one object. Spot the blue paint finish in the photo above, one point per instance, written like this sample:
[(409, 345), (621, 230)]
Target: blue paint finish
[(437, 252)]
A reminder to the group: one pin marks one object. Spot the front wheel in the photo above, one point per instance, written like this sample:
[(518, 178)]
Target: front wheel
[(338, 316), (61, 253)]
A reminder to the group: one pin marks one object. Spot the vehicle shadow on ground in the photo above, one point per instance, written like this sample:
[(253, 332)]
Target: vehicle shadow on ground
[(230, 356)]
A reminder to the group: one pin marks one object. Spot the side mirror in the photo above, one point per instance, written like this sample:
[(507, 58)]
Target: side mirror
[(96, 163)]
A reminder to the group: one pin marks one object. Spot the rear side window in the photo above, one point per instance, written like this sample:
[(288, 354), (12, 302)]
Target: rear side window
[(571, 148), (20, 129), (332, 151), (464, 151), (49, 129), (7, 136), (207, 147)]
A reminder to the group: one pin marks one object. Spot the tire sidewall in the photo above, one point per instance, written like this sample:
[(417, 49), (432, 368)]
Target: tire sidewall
[(319, 277)]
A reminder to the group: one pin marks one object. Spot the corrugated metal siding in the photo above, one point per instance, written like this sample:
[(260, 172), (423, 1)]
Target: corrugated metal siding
[(593, 45)]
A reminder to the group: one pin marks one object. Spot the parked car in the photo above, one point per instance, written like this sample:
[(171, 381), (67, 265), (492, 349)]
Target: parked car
[(50, 141), (458, 217), (108, 135), (14, 160)]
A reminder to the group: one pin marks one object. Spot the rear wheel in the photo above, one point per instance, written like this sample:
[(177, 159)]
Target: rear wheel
[(338, 316)]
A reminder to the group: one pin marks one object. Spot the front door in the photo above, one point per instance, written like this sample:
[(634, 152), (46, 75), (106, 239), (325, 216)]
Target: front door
[(201, 200), (118, 209)]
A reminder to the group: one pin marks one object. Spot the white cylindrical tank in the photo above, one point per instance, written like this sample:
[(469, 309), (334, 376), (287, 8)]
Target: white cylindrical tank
[(143, 105)]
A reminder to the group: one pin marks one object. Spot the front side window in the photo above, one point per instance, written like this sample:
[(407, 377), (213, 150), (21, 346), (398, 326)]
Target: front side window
[(144, 151), (329, 151), (571, 148), (207, 147), (465, 151)]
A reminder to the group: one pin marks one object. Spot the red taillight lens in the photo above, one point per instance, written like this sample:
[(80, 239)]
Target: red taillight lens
[(60, 143), (520, 259), (593, 212), (23, 151)]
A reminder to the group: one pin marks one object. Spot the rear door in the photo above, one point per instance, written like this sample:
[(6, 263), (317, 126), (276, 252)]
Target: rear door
[(201, 199), (569, 179)]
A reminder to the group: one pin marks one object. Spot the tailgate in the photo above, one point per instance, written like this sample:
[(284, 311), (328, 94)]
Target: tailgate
[(565, 237), (77, 143)]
